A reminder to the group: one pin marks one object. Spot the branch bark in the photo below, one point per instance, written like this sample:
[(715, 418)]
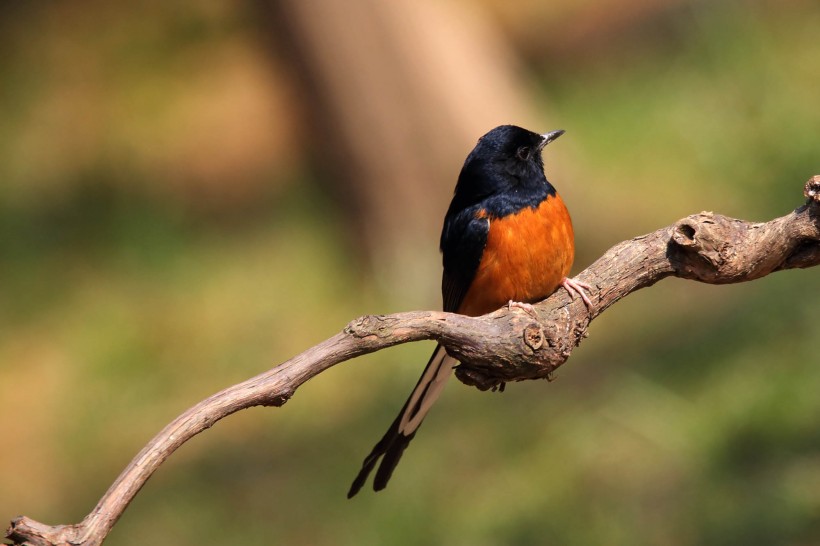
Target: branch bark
[(507, 345)]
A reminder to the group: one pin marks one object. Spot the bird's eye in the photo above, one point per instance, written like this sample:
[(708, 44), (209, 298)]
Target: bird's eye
[(523, 153)]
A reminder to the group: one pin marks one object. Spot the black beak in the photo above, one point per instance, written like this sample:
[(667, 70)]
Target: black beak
[(549, 137)]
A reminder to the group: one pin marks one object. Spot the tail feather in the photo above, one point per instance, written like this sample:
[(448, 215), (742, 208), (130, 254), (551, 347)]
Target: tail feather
[(392, 445)]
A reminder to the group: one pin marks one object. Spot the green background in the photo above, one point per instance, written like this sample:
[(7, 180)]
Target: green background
[(690, 415)]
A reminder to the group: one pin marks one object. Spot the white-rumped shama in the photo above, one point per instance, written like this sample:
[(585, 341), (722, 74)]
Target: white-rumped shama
[(507, 239)]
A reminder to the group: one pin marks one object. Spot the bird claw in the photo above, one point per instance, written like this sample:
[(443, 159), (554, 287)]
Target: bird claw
[(526, 307), (578, 287)]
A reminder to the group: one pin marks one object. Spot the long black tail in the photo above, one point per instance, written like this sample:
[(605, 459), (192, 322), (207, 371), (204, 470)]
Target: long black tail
[(404, 427)]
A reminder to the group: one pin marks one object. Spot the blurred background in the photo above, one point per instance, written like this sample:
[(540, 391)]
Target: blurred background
[(191, 193)]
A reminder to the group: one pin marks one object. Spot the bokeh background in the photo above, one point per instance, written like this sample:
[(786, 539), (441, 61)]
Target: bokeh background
[(191, 193)]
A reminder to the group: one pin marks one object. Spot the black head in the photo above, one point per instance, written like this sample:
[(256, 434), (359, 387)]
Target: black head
[(508, 158), (509, 142)]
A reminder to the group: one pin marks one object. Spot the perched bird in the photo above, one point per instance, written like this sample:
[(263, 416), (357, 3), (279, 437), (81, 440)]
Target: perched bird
[(507, 239)]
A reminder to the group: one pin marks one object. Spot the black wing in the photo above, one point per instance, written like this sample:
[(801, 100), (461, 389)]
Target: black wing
[(462, 244)]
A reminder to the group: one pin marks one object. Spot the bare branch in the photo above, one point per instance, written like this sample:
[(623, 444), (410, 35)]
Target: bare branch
[(507, 345)]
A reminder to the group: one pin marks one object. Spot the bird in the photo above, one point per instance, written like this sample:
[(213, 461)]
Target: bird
[(508, 240)]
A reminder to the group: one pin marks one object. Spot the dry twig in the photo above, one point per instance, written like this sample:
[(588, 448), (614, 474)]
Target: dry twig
[(507, 345)]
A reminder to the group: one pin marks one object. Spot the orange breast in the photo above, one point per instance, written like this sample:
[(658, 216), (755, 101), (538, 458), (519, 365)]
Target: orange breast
[(527, 256)]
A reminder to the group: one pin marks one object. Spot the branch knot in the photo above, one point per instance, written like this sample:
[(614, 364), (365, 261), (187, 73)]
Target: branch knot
[(812, 190), (534, 336)]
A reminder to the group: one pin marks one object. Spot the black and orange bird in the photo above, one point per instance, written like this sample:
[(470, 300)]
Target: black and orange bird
[(507, 240)]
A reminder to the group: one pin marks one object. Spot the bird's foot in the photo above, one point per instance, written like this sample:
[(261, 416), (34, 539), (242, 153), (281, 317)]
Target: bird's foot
[(579, 288), (526, 307)]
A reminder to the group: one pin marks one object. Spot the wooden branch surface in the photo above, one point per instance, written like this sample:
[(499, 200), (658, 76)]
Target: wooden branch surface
[(507, 345)]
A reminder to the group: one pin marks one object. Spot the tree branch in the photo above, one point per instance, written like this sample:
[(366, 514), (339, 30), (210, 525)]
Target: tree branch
[(507, 345)]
